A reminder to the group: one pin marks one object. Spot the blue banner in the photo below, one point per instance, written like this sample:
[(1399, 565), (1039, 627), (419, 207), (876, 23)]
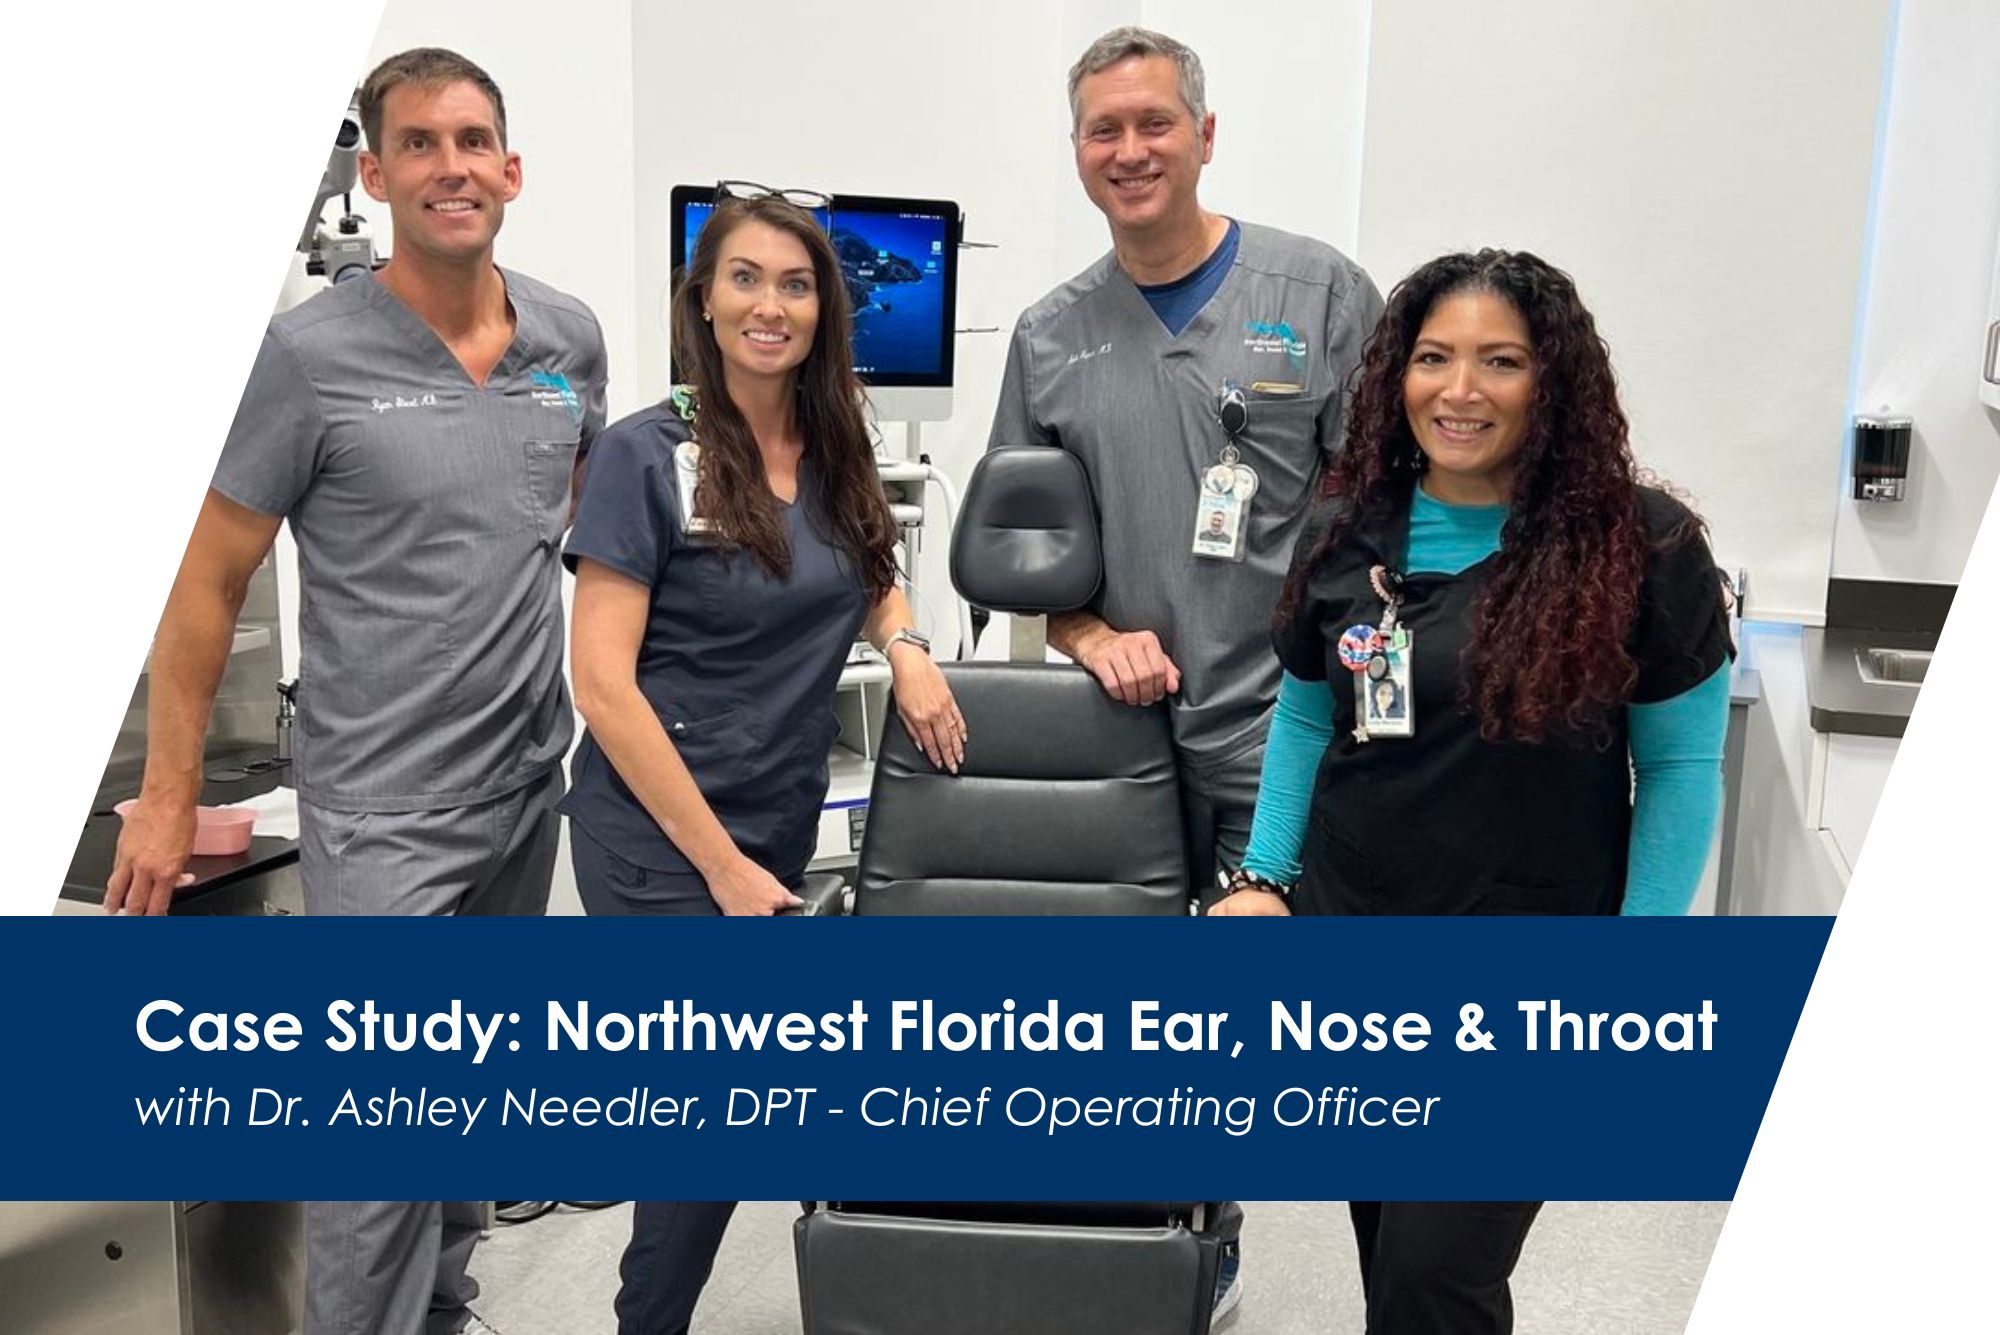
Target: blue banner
[(895, 1058)]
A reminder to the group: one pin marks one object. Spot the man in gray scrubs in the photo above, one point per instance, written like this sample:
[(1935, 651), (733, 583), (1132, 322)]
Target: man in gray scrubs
[(419, 428), (1193, 323)]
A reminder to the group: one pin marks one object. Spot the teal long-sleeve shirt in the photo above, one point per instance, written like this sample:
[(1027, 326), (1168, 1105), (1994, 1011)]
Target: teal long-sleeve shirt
[(1676, 746)]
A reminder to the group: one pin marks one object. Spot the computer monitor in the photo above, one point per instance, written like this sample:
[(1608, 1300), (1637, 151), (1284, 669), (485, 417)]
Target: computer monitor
[(900, 259)]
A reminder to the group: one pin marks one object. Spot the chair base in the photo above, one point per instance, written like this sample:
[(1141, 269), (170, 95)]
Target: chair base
[(884, 1274)]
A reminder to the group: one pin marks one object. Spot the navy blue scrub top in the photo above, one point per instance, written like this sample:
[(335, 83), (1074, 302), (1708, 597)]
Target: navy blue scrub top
[(740, 668)]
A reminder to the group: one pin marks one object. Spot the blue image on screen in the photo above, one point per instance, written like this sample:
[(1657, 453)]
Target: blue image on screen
[(894, 265)]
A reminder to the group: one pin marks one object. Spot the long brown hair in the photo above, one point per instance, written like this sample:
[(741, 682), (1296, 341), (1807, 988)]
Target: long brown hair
[(1548, 634), (849, 508)]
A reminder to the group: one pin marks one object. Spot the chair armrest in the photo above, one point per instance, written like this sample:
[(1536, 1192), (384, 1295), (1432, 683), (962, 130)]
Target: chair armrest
[(825, 896)]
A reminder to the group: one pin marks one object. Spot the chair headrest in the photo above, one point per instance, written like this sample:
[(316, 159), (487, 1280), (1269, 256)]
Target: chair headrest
[(1027, 539)]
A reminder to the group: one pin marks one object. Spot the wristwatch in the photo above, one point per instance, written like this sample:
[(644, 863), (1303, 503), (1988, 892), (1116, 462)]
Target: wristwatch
[(906, 636)]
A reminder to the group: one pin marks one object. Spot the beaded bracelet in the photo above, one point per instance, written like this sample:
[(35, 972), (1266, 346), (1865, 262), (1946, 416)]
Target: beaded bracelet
[(1245, 879)]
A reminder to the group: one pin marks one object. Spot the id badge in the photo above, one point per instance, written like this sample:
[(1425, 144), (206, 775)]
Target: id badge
[(1383, 699), (1222, 512), (687, 477)]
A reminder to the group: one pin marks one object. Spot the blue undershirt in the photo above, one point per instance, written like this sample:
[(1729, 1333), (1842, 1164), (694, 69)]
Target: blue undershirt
[(1181, 300), (1676, 746)]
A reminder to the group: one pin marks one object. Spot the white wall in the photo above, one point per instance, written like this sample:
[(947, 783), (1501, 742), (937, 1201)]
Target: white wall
[(1288, 92), (1702, 170), (1924, 323)]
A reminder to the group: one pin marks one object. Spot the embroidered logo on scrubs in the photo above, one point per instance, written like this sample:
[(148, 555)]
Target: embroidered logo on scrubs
[(553, 388), (1087, 354), (1278, 336)]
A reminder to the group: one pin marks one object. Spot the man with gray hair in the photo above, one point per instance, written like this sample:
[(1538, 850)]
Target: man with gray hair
[(419, 428), (1198, 371)]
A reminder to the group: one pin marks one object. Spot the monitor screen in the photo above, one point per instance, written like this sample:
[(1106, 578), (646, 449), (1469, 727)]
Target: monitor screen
[(900, 260)]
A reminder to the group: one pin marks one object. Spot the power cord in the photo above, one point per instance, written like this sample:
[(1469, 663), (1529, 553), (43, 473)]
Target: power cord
[(521, 1212), (524, 1212)]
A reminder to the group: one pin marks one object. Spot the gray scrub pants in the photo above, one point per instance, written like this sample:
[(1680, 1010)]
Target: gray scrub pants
[(493, 858), (399, 1267), (1216, 805), (389, 1267)]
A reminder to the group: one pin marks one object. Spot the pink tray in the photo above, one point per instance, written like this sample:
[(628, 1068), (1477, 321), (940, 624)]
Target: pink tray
[(218, 831)]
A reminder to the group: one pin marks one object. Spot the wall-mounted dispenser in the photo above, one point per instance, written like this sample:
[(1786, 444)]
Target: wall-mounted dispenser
[(1881, 456)]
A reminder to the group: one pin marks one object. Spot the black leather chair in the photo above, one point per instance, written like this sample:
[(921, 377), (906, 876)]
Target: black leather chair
[(1067, 803)]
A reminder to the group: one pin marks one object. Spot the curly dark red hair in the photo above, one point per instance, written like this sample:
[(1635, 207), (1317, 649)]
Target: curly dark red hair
[(1548, 647)]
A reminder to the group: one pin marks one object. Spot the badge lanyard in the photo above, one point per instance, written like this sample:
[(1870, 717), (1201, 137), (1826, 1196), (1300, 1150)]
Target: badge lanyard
[(1379, 656), (1222, 509), (687, 465)]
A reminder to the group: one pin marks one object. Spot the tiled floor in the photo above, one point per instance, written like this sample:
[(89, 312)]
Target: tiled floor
[(1589, 1268)]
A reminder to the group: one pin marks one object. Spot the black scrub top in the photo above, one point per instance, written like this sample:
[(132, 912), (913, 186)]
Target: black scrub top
[(1446, 822), (741, 668)]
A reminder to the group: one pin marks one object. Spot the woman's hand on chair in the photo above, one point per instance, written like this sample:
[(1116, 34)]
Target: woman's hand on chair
[(744, 889), (925, 703)]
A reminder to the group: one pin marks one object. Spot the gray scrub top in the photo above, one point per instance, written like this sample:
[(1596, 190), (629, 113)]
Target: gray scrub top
[(741, 668), (1094, 371), (429, 514)]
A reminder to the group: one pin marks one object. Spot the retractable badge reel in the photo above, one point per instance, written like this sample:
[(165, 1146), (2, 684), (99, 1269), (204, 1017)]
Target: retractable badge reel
[(1379, 658), (1222, 510)]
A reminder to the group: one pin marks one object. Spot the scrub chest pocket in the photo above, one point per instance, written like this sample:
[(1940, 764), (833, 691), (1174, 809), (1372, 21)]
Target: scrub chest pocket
[(1280, 440), (713, 747), (547, 465)]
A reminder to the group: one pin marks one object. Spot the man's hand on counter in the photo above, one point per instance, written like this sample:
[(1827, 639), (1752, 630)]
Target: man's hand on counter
[(153, 850)]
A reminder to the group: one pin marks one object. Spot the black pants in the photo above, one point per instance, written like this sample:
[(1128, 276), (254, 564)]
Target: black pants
[(1440, 1267), (672, 1250)]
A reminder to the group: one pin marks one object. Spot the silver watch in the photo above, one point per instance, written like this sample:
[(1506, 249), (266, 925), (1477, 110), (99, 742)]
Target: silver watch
[(906, 636)]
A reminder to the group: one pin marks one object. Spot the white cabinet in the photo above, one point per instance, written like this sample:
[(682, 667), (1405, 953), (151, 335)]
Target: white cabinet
[(1851, 773)]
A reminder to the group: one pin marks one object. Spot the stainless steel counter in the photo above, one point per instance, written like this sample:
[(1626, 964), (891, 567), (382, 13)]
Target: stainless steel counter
[(151, 1267)]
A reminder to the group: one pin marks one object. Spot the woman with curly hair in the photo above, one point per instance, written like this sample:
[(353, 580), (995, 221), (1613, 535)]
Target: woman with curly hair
[(1557, 638)]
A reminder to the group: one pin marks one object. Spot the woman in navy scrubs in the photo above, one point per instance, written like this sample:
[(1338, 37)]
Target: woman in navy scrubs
[(1557, 643), (729, 546), (710, 635)]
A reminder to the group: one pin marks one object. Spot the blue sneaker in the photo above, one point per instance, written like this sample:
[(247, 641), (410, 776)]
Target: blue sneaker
[(1228, 1287)]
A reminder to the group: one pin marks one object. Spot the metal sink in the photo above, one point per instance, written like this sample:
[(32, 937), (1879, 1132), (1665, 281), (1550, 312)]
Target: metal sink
[(1893, 667)]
